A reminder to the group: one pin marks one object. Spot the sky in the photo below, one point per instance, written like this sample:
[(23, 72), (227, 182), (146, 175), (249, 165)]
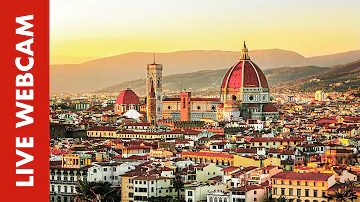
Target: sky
[(101, 28)]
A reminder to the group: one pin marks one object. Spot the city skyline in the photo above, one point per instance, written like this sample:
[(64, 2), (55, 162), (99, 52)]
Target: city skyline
[(308, 28)]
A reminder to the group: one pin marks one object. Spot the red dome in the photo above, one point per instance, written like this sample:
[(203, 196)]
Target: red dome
[(253, 76), (127, 97), (269, 107), (244, 73)]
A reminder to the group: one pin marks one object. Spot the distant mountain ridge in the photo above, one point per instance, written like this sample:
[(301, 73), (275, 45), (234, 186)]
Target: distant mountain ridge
[(100, 73), (283, 78)]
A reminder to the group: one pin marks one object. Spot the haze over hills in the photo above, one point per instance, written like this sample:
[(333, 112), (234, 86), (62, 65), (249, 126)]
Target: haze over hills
[(283, 78), (100, 73)]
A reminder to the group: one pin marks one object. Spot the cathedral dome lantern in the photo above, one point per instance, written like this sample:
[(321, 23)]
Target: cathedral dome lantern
[(244, 74)]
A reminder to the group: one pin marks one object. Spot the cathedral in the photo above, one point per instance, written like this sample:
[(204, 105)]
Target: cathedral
[(244, 94)]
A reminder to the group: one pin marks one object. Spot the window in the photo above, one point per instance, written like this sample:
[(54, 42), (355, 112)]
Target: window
[(290, 182), (95, 170), (72, 189), (114, 169), (255, 192), (315, 193), (136, 181), (104, 177), (323, 194), (59, 189), (144, 182), (282, 191), (140, 182), (189, 193), (255, 199), (131, 194), (298, 183), (282, 181), (298, 192), (314, 184), (152, 189), (159, 191), (290, 191), (323, 184), (306, 192), (274, 181), (275, 191), (152, 182), (306, 183)]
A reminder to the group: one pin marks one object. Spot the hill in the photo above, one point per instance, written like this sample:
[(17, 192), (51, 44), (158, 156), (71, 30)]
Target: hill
[(99, 73), (305, 78)]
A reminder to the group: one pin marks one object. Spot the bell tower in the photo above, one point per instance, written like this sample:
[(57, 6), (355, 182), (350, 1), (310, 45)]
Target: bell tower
[(154, 92)]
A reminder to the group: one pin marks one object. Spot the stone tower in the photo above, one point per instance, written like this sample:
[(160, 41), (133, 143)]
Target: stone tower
[(185, 113), (154, 92)]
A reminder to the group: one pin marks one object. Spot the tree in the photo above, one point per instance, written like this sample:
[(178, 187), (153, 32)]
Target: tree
[(269, 199), (96, 192), (342, 195), (282, 199), (178, 185)]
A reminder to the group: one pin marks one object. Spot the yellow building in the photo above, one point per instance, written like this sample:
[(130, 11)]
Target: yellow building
[(127, 188), (209, 157), (102, 131), (250, 161), (307, 187)]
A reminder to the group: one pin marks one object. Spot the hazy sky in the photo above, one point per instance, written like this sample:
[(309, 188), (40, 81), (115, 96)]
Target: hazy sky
[(109, 27)]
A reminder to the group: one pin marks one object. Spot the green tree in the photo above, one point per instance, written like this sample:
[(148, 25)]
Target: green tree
[(342, 195), (282, 199), (96, 192), (178, 185)]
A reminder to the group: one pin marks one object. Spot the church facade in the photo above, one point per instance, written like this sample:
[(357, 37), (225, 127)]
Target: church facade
[(244, 94)]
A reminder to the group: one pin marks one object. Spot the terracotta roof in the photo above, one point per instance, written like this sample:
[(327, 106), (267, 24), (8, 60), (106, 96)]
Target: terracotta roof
[(127, 97), (269, 107), (150, 177), (102, 128), (302, 176), (244, 73), (208, 154)]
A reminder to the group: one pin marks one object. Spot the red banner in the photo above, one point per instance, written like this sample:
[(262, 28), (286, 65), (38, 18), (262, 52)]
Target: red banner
[(25, 100)]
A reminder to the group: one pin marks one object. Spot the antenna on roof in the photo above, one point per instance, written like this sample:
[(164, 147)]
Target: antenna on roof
[(154, 58)]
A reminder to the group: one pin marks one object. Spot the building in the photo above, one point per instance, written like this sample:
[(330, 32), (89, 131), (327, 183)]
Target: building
[(64, 176), (244, 92), (195, 109), (154, 95), (248, 193), (309, 187), (147, 186), (199, 191), (102, 131), (125, 101), (320, 95)]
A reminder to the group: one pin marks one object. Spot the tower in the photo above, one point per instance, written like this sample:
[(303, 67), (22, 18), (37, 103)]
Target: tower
[(185, 113), (154, 91)]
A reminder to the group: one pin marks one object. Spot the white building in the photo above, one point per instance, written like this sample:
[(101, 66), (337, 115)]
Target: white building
[(108, 171), (152, 186), (198, 191), (320, 95)]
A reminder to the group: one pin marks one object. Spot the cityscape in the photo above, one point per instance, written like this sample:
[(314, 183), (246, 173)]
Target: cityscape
[(204, 124), (246, 145)]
